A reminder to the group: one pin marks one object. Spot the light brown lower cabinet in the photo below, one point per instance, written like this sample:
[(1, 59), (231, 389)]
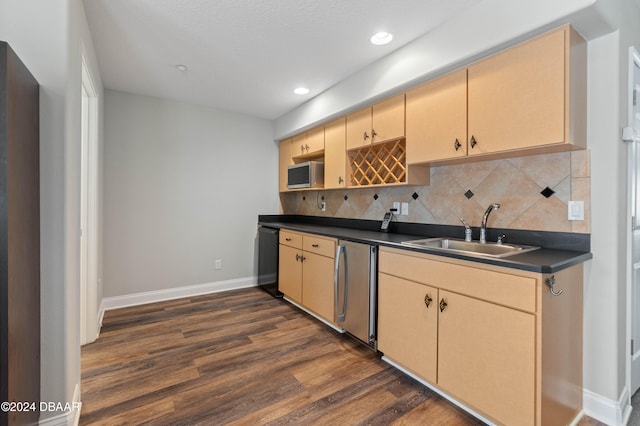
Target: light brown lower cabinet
[(493, 338), (305, 271)]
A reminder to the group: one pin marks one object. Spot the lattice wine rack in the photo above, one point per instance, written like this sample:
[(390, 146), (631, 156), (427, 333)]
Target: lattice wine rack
[(379, 164)]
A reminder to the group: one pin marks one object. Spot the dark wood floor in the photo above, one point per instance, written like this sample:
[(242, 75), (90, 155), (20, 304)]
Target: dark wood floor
[(244, 358)]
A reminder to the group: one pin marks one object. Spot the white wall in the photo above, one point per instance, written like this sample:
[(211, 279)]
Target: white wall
[(601, 342), (47, 35), (183, 186)]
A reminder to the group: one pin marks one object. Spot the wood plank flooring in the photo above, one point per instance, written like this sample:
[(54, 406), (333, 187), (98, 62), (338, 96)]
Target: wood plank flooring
[(244, 358)]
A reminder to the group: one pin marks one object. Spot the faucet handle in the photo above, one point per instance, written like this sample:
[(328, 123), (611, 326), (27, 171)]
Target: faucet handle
[(500, 238), (467, 230)]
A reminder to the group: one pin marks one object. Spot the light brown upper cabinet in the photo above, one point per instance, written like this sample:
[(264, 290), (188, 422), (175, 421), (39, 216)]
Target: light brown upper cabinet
[(335, 158), (530, 96), (383, 121), (285, 162), (528, 99), (437, 119), (308, 144)]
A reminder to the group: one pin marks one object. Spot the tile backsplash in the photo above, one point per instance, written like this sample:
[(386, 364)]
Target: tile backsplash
[(533, 192)]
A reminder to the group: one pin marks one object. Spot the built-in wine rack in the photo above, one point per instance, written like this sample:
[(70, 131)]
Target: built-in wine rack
[(379, 164)]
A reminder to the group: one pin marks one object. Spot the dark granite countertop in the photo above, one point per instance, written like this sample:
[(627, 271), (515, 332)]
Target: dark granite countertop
[(558, 250)]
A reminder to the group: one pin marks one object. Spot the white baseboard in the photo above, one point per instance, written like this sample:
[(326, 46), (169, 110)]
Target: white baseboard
[(65, 418), (605, 410), (173, 293)]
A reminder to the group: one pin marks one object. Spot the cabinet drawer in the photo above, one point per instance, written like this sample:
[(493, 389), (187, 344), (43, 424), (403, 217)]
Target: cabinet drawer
[(291, 239), (320, 245), (502, 288)]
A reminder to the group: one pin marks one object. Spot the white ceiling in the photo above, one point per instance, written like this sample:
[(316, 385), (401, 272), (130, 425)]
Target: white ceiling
[(248, 55)]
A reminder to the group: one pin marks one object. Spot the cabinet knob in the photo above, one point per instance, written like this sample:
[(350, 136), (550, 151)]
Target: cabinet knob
[(306, 147), (473, 141), (443, 304), (315, 245), (365, 136), (340, 180), (427, 299), (298, 257), (457, 144), (287, 239), (302, 149), (373, 134)]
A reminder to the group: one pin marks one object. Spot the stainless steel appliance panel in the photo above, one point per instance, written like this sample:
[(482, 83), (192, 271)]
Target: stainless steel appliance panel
[(355, 290)]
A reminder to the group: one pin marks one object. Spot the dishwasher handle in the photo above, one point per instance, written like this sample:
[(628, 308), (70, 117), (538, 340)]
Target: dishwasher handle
[(341, 252)]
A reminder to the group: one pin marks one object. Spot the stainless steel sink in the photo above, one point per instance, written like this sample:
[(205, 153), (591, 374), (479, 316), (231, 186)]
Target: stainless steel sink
[(471, 247)]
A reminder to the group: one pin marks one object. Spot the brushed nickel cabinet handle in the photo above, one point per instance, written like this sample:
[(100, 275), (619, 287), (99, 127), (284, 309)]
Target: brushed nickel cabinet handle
[(551, 281), (473, 141), (315, 245), (365, 136), (457, 144), (373, 134), (443, 305)]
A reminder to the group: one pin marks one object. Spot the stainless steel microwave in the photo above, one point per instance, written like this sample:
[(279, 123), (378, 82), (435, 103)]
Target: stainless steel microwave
[(309, 174)]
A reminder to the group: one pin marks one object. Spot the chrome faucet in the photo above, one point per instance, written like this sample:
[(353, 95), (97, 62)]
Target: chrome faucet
[(483, 227), (467, 230)]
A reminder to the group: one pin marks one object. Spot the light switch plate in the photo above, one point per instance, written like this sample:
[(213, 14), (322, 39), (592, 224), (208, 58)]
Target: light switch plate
[(576, 210), (405, 209)]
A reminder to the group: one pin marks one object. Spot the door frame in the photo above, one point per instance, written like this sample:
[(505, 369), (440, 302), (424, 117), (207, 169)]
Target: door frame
[(89, 319), (634, 60)]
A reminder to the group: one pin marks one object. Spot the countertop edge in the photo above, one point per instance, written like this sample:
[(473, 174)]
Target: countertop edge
[(557, 260)]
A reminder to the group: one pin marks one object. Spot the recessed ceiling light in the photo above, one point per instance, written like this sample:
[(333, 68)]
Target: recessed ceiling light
[(301, 91), (381, 38), (181, 67)]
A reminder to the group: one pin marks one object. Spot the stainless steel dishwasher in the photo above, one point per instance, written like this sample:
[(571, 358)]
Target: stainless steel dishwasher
[(355, 290)]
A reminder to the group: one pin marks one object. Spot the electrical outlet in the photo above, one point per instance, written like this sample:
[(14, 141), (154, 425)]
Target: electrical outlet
[(396, 206), (218, 263), (405, 209), (323, 206)]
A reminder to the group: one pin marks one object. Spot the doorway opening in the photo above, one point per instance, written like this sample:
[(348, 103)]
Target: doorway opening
[(89, 326)]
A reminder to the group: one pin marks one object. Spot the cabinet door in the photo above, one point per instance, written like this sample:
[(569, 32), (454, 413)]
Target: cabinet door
[(315, 140), (290, 272), (387, 119), (285, 161), (517, 97), (437, 119), (486, 357), (407, 327), (298, 145), (317, 285), (335, 156), (359, 128)]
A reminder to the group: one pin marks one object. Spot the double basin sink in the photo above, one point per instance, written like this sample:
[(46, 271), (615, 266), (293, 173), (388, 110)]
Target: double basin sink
[(472, 248)]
